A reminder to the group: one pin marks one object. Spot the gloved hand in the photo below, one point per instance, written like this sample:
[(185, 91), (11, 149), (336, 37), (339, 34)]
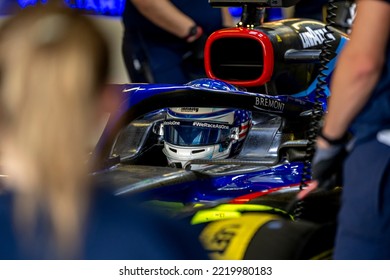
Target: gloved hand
[(327, 166)]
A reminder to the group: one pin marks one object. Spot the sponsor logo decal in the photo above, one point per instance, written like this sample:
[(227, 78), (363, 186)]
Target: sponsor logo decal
[(313, 38), (229, 239), (270, 103), (189, 109), (352, 14), (197, 124), (171, 123), (210, 125)]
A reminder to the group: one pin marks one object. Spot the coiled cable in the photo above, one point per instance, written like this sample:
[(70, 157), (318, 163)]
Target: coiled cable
[(319, 104)]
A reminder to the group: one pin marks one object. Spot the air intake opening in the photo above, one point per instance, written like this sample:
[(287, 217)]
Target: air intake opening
[(236, 59), (198, 151)]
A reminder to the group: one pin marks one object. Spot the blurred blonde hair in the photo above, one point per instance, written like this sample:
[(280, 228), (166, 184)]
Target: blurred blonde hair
[(53, 64)]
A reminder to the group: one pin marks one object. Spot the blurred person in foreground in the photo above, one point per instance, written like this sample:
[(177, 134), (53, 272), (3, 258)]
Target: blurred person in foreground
[(53, 67), (163, 40), (360, 104)]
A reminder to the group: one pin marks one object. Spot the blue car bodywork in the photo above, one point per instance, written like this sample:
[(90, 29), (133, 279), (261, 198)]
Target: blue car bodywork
[(253, 171), (266, 175)]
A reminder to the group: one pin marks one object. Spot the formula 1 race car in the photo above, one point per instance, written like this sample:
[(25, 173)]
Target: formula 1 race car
[(228, 153)]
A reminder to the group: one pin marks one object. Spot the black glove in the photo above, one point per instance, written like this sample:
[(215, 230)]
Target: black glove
[(327, 164)]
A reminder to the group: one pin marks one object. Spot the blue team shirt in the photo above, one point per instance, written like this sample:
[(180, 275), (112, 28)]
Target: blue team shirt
[(375, 116)]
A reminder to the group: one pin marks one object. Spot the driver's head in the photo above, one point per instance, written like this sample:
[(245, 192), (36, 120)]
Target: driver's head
[(203, 133)]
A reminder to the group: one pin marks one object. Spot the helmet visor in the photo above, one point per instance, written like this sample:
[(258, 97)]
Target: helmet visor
[(195, 133)]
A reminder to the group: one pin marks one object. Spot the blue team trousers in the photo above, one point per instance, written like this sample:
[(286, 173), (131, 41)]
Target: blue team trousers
[(364, 218)]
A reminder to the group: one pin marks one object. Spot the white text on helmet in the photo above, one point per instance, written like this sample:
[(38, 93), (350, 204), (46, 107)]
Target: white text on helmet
[(171, 123), (210, 125), (189, 109)]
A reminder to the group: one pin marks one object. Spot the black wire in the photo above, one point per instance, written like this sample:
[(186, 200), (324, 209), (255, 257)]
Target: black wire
[(296, 207)]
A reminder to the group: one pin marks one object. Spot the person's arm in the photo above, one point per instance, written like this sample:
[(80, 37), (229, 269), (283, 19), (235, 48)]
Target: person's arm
[(165, 15), (357, 72), (227, 19), (359, 67)]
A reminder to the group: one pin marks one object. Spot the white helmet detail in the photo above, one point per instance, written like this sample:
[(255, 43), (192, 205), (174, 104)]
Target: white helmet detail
[(203, 133)]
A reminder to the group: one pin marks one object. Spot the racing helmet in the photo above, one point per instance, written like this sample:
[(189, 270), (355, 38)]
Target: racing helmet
[(203, 133)]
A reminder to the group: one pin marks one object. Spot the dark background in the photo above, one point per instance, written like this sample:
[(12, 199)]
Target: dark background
[(100, 7)]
